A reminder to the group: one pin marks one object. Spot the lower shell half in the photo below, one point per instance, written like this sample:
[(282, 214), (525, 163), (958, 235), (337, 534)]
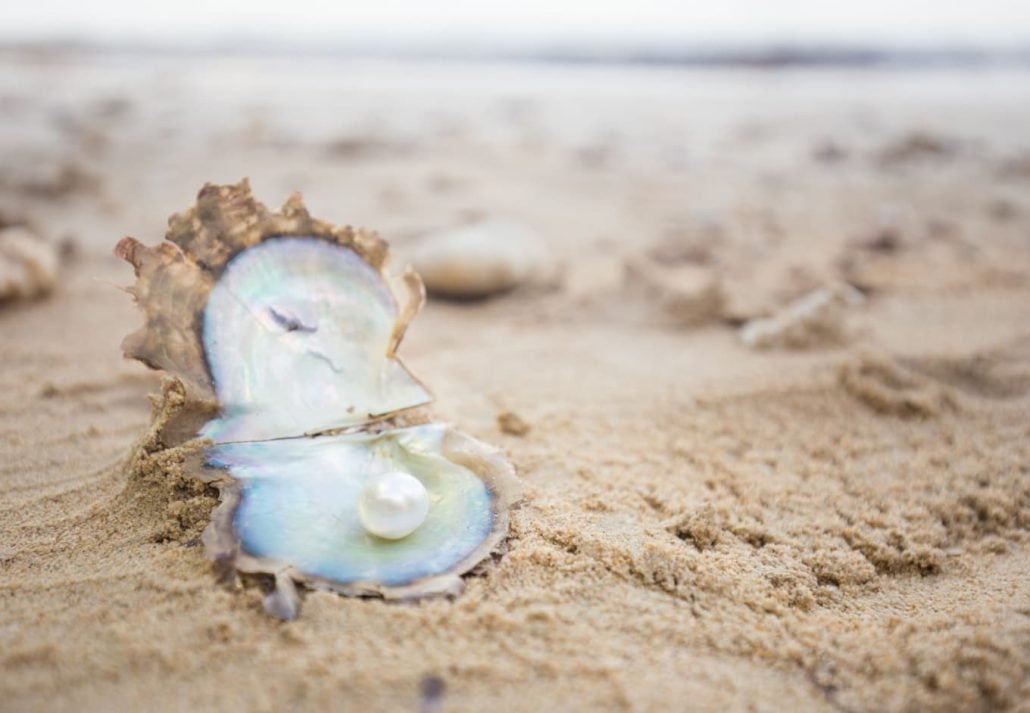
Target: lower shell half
[(290, 508)]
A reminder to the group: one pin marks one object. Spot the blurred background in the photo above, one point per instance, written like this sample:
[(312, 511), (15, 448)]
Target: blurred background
[(584, 122)]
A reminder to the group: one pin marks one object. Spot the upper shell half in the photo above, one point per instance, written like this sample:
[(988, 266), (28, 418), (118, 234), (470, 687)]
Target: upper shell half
[(283, 332), (283, 324)]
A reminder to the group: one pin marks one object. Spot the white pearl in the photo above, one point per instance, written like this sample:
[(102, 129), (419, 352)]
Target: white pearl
[(393, 505)]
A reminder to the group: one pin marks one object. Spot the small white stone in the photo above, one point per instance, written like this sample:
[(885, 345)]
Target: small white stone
[(393, 505), (28, 264), (480, 259)]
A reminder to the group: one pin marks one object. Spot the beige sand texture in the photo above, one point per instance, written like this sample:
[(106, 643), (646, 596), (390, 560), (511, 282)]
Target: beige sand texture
[(844, 526)]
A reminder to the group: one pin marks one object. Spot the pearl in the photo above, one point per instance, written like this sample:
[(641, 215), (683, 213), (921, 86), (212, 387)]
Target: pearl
[(393, 505)]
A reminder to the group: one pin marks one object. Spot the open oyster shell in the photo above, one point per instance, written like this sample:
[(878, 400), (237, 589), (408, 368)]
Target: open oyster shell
[(283, 332)]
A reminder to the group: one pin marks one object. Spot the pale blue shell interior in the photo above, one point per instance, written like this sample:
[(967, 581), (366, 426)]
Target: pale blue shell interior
[(300, 500), (296, 333)]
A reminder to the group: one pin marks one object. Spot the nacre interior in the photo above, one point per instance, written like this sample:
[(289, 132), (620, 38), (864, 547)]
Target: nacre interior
[(300, 501), (296, 334)]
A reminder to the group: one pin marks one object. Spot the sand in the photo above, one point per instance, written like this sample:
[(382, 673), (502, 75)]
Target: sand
[(841, 526)]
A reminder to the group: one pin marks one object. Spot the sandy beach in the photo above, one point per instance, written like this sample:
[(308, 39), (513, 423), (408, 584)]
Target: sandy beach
[(836, 524)]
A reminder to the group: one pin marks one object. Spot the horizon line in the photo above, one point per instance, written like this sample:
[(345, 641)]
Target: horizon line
[(692, 54)]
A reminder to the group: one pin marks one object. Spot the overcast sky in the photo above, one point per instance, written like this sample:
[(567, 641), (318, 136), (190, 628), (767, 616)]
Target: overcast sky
[(909, 22)]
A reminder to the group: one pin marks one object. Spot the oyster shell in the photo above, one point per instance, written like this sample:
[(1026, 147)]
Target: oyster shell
[(282, 331)]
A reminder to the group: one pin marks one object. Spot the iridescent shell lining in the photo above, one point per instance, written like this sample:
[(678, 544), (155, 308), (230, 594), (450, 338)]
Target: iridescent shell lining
[(283, 330), (325, 349)]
